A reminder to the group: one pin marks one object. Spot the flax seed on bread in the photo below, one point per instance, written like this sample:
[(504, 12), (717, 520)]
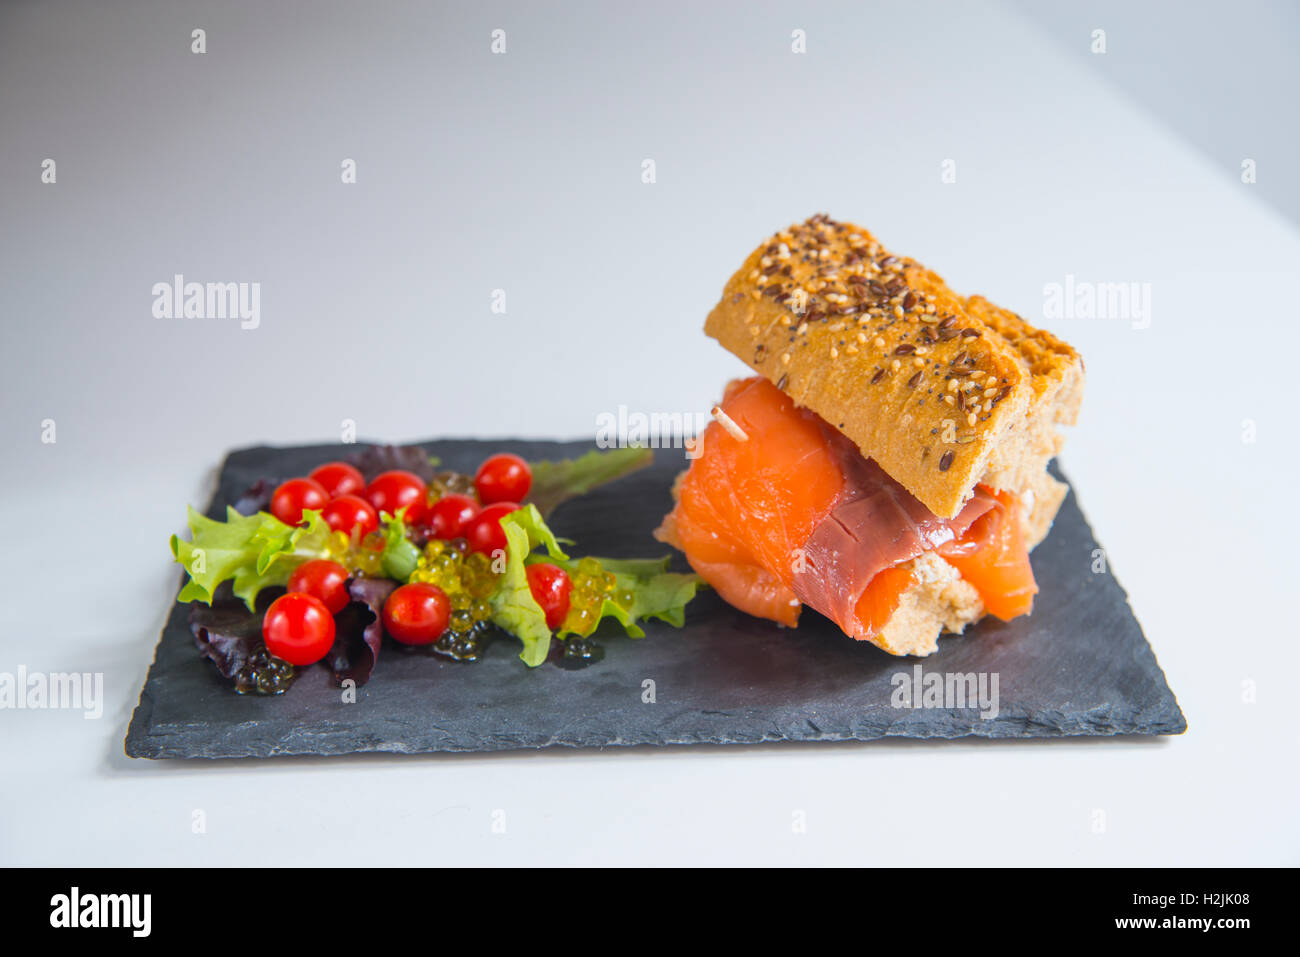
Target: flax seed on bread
[(943, 392)]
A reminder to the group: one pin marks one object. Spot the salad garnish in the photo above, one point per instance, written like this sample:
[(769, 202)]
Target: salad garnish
[(320, 568)]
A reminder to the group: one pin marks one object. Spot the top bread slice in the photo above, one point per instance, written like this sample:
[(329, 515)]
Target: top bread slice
[(943, 392)]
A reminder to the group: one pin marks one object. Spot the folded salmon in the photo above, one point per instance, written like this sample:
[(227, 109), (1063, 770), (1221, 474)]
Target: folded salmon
[(793, 514)]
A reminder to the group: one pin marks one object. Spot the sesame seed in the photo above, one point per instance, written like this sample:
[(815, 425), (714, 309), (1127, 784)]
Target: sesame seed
[(753, 330), (896, 364), (970, 419), (851, 349), (878, 342), (835, 353), (803, 327), (919, 361), (950, 400), (952, 385)]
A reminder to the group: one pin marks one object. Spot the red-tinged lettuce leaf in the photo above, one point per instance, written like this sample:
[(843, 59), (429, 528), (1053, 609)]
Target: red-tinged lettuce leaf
[(359, 630), (226, 632), (256, 498), (384, 458)]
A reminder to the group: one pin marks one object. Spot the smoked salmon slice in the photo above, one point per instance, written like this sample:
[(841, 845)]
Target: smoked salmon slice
[(793, 514), (992, 557)]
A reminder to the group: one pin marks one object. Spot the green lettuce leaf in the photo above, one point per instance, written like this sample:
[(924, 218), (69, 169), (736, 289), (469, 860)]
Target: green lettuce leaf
[(656, 592), (513, 607), (253, 552), (400, 553), (556, 482)]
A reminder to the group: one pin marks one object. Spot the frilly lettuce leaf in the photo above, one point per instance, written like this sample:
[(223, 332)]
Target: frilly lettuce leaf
[(250, 551), (513, 607), (400, 554), (656, 592)]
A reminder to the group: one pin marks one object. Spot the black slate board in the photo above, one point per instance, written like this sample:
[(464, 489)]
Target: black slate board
[(1079, 665)]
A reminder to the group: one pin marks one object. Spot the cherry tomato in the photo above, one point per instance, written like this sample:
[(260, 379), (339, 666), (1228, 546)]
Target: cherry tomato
[(503, 478), (293, 496), (550, 585), (322, 579), (451, 515), (485, 533), (298, 628), (416, 614), (391, 490), (349, 511), (339, 478)]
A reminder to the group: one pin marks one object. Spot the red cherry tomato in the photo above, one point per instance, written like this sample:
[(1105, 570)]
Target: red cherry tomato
[(451, 515), (293, 496), (550, 585), (392, 490), (503, 478), (485, 533), (322, 579), (298, 628), (416, 614), (339, 478), (349, 511)]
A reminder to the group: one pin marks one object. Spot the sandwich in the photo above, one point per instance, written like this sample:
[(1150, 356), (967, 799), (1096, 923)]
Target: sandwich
[(886, 463)]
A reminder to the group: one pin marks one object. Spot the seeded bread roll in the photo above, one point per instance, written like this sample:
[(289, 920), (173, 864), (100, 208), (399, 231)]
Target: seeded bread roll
[(941, 391)]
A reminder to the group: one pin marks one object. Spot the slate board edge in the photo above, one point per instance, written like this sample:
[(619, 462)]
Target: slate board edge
[(1177, 721), (154, 746)]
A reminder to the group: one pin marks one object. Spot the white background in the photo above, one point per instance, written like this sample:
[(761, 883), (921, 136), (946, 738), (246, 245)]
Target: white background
[(522, 172)]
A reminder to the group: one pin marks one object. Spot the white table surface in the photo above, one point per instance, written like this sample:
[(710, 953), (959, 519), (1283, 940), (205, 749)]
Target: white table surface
[(522, 172)]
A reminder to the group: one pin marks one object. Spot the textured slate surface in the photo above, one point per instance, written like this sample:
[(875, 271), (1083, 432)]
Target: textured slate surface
[(1079, 665)]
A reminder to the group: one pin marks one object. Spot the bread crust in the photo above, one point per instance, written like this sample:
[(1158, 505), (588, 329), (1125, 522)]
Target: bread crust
[(926, 382)]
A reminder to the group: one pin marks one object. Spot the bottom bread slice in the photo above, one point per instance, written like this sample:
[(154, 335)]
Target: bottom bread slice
[(940, 601)]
